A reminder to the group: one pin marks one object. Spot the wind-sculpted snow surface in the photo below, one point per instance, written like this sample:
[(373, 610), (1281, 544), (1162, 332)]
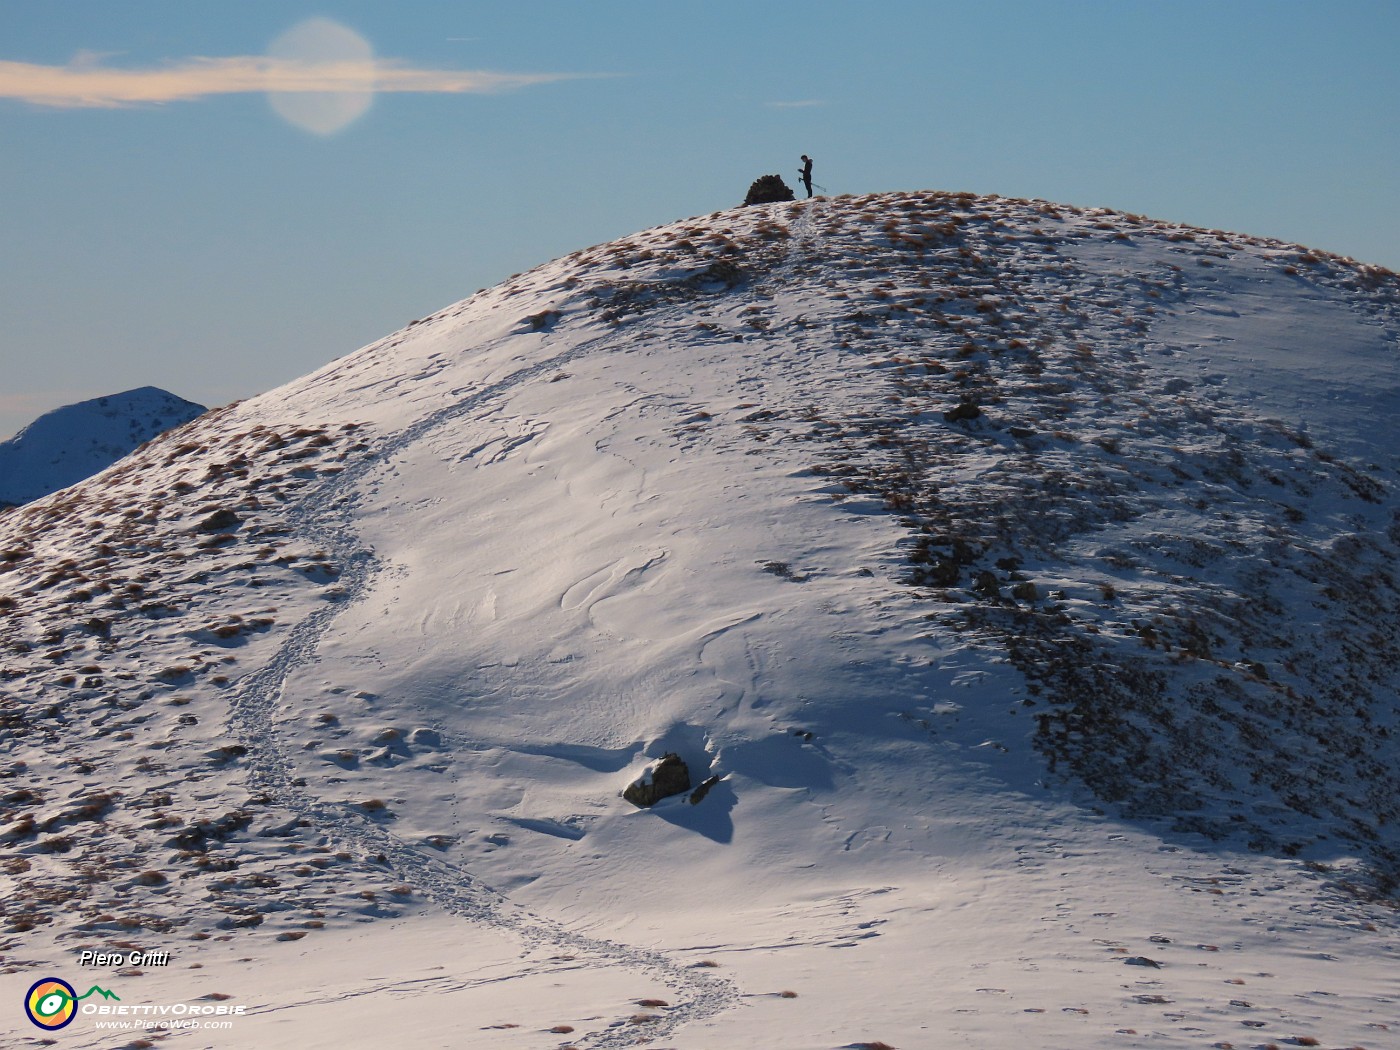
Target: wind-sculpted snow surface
[(1017, 581)]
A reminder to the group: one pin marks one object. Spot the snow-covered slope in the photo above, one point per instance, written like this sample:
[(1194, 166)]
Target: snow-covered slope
[(76, 441), (1025, 575)]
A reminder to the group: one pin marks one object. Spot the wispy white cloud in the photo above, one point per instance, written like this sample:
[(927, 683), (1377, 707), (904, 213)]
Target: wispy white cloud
[(804, 103), (85, 83)]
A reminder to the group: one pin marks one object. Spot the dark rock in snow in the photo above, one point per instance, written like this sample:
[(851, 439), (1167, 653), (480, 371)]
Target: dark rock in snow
[(221, 520), (987, 584), (670, 776), (1026, 592), (698, 795), (965, 411), (1142, 960)]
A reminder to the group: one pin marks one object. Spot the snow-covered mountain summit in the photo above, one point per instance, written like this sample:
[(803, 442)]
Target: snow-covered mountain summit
[(1025, 575), (76, 441)]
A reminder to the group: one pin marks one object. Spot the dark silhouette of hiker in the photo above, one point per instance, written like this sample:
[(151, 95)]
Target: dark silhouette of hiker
[(807, 173)]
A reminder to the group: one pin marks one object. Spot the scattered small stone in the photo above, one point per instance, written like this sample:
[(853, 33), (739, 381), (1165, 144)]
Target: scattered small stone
[(221, 520), (1026, 592), (964, 411), (698, 795)]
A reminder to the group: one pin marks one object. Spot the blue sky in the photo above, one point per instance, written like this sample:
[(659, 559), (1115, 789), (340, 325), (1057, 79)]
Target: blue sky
[(209, 245)]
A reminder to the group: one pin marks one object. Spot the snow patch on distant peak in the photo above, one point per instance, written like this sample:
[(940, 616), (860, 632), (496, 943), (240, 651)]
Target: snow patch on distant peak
[(71, 443)]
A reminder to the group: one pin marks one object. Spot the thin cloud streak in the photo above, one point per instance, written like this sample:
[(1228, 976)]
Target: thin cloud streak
[(83, 85), (805, 103)]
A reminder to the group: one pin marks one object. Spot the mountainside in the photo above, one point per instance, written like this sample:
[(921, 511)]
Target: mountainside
[(76, 441), (1023, 575)]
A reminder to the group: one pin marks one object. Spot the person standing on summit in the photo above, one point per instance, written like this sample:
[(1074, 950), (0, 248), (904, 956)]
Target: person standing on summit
[(807, 173)]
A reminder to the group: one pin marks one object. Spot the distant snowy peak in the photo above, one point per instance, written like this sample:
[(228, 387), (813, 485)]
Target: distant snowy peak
[(71, 443)]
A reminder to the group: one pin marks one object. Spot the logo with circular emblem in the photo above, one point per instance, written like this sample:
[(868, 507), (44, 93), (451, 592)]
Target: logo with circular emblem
[(51, 1003)]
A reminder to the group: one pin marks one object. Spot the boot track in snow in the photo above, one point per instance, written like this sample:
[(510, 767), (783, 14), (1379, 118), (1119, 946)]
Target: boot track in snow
[(326, 517)]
